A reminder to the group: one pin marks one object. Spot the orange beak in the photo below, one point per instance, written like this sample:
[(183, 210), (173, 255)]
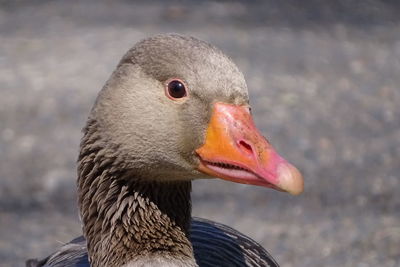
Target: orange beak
[(235, 150)]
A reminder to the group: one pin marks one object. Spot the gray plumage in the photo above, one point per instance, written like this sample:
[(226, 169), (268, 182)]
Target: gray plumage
[(137, 161)]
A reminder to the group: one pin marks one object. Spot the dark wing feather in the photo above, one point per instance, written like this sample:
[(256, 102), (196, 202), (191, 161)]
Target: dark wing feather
[(72, 254), (214, 245), (219, 245)]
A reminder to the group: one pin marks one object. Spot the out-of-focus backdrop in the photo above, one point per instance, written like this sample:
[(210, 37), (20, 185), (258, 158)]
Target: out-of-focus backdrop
[(324, 80)]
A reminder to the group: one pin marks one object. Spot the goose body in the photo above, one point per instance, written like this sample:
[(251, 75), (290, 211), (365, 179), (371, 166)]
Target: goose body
[(174, 110), (214, 244)]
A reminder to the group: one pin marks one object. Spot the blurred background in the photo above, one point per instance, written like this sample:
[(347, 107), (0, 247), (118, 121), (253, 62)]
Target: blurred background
[(324, 82)]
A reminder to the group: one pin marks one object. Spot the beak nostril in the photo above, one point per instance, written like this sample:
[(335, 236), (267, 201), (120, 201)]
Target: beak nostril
[(246, 147)]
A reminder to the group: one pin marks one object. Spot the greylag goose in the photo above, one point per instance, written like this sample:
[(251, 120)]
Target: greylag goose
[(175, 109)]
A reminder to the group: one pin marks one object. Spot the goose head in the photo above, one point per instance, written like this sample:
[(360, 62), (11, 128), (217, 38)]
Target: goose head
[(176, 108)]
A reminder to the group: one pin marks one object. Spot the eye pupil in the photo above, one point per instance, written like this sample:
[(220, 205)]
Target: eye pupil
[(176, 89)]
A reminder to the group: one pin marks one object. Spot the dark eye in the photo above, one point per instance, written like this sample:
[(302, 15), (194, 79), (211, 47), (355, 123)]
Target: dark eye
[(176, 89)]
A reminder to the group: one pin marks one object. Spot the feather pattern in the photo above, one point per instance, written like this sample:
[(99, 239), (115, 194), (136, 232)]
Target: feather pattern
[(214, 244)]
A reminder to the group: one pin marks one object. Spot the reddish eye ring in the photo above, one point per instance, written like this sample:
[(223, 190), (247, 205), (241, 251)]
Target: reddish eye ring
[(175, 89)]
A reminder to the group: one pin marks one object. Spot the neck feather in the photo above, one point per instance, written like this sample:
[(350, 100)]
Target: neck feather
[(126, 218)]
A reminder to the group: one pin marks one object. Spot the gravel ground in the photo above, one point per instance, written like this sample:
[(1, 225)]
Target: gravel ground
[(324, 80)]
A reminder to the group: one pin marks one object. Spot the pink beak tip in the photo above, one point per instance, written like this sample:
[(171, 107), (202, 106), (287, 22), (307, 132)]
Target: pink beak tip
[(290, 179)]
